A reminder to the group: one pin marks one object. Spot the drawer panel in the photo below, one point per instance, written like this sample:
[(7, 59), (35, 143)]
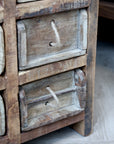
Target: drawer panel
[(2, 117), (2, 55), (51, 38), (51, 99)]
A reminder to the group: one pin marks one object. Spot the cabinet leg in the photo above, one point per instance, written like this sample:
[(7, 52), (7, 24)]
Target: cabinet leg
[(85, 127)]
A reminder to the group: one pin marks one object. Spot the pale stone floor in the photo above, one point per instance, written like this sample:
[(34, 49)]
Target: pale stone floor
[(103, 106)]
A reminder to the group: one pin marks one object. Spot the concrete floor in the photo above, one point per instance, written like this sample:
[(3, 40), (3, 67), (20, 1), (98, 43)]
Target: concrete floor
[(103, 108)]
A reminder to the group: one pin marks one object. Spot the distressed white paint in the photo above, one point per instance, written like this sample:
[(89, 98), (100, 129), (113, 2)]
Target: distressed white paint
[(83, 17), (2, 53), (82, 29), (22, 43), (54, 58), (53, 94), (58, 41), (2, 117)]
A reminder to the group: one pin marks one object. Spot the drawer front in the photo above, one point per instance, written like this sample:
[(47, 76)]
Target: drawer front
[(2, 56), (2, 117), (51, 99), (51, 38)]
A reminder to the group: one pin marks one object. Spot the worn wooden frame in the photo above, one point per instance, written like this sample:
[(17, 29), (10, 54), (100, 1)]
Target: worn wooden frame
[(10, 81)]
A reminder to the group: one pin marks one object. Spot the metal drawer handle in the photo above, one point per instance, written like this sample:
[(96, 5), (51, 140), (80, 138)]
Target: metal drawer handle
[(53, 94), (58, 42)]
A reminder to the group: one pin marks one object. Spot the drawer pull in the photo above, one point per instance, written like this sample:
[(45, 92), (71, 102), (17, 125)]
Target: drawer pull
[(58, 42), (53, 94)]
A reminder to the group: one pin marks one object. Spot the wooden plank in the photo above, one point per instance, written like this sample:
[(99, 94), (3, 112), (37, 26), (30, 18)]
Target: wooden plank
[(106, 9), (48, 7), (46, 39), (4, 140), (85, 127), (11, 95), (2, 82), (26, 136), (51, 69)]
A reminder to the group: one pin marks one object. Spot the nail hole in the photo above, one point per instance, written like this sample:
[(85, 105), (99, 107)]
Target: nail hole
[(46, 102), (53, 20), (50, 43)]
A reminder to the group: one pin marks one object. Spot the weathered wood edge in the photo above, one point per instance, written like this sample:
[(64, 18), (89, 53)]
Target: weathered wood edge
[(26, 136), (106, 9), (39, 8), (4, 140), (51, 69), (22, 43), (91, 62), (2, 117), (11, 93), (24, 10), (23, 108), (85, 127), (51, 59)]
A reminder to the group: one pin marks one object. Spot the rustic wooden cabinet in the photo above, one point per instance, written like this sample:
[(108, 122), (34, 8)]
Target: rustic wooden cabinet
[(47, 67)]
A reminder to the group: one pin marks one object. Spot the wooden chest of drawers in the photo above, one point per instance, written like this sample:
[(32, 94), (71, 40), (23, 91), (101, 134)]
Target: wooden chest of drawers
[(47, 67)]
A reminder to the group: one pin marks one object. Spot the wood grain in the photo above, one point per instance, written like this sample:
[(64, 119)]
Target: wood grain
[(86, 126), (106, 9), (2, 82), (51, 69), (11, 96), (1, 14), (35, 113), (46, 39), (4, 140), (50, 128), (38, 8), (12, 79)]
